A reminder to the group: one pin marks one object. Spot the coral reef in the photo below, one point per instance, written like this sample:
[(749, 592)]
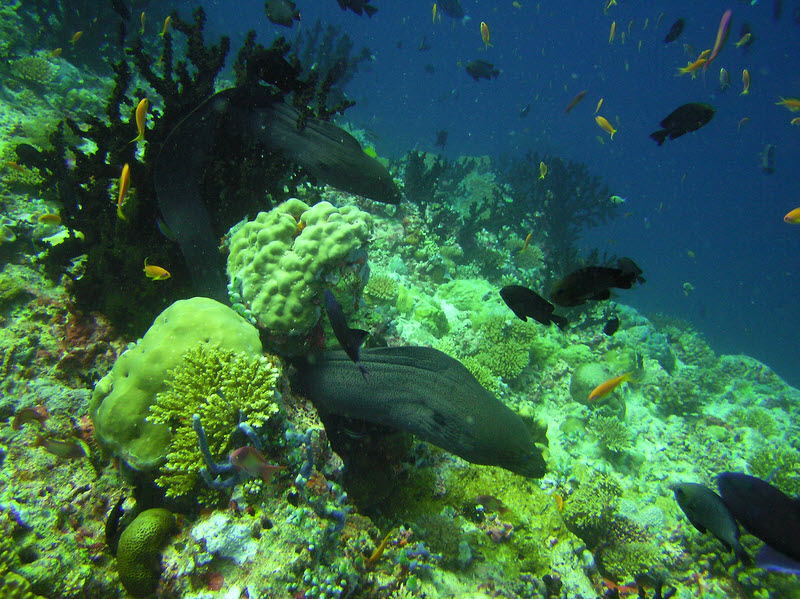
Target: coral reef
[(224, 388), (138, 552)]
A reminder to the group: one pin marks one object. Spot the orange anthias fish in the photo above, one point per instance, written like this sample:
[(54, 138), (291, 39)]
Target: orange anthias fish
[(542, 170), (485, 34), (793, 217), (164, 29), (141, 119), (606, 388), (795, 121), (599, 104), (722, 35), (143, 19), (76, 37), (124, 184), (55, 53), (745, 82), (30, 414), (49, 219), (156, 273), (66, 450), (575, 101), (605, 126), (249, 459), (613, 33), (692, 67), (527, 241), (792, 104), (744, 39), (434, 12)]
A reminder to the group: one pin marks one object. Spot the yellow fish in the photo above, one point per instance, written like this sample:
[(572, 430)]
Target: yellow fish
[(793, 217), (124, 184), (434, 12), (141, 119), (612, 34), (49, 219), (485, 34), (167, 21), (76, 37), (599, 104), (542, 170), (55, 53), (607, 387), (792, 104), (605, 126), (795, 121), (744, 39), (745, 82), (156, 273), (142, 18)]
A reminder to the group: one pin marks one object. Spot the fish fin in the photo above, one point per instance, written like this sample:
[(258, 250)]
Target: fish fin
[(560, 321), (775, 561), (602, 295), (370, 10), (359, 335), (520, 314), (659, 136), (364, 372)]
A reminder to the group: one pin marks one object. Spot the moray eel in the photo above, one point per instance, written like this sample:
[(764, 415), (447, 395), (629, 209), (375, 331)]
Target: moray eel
[(425, 392), (326, 151)]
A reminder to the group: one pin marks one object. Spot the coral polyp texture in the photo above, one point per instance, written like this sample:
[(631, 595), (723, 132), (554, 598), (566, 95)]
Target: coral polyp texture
[(121, 400), (280, 262)]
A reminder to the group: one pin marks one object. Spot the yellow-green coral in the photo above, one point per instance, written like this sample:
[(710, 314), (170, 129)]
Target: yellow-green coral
[(506, 345), (33, 69), (381, 289), (138, 551), (224, 388)]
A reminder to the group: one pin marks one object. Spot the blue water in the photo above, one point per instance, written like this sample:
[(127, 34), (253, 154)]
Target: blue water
[(704, 193)]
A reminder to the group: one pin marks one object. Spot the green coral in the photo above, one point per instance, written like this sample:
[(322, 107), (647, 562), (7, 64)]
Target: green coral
[(381, 289), (36, 70), (505, 349), (680, 397), (779, 463), (482, 374), (280, 262), (138, 551), (630, 561), (225, 388), (590, 511), (757, 418), (609, 432), (121, 400), (13, 586)]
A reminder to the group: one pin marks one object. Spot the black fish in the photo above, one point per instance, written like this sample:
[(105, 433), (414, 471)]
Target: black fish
[(358, 6), (112, 525), (441, 139), (350, 339), (687, 118), (764, 511), (282, 12), (424, 46), (612, 326), (768, 159), (595, 283), (524, 303), (675, 31), (480, 69), (451, 8), (708, 513)]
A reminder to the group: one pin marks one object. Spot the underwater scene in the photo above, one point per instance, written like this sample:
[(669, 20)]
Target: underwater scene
[(330, 299)]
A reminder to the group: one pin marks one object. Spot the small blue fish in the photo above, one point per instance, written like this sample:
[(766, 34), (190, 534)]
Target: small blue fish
[(350, 339)]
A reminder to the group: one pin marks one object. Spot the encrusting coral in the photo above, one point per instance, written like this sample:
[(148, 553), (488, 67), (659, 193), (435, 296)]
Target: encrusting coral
[(224, 388)]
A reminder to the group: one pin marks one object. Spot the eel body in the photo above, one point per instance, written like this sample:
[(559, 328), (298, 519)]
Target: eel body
[(425, 392)]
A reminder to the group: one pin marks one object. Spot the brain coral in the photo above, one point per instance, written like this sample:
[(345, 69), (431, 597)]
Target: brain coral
[(121, 399), (280, 263)]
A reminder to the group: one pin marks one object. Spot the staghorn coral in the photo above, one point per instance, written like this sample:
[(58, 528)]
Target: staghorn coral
[(589, 512), (381, 289), (610, 433), (505, 349), (33, 70), (224, 388)]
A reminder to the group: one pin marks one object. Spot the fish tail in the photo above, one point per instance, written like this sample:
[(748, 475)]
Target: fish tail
[(560, 321), (364, 372)]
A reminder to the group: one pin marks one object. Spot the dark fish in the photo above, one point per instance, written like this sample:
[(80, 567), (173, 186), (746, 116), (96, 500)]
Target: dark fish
[(524, 112), (687, 118), (121, 8), (429, 68), (764, 511), (282, 12), (424, 46), (358, 6), (708, 513), (768, 159), (480, 69), (350, 339), (595, 283), (66, 450), (612, 326), (526, 303), (675, 31), (452, 8), (112, 525), (777, 9), (30, 414), (441, 139), (575, 101)]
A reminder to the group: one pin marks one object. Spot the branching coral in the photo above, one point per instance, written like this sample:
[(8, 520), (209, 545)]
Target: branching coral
[(505, 350), (224, 388), (36, 70), (610, 432), (589, 512)]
